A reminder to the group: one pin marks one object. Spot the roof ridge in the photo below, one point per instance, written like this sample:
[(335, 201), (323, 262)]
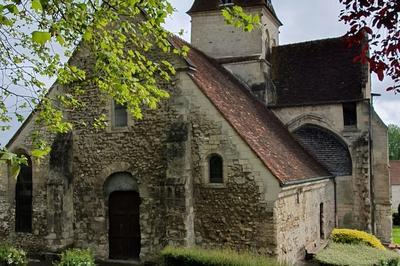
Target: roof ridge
[(312, 41)]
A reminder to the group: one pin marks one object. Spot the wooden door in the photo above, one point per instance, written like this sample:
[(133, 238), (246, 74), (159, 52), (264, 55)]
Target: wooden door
[(124, 226)]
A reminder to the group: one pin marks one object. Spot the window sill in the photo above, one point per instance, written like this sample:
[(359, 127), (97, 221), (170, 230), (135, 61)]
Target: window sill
[(226, 5), (119, 129), (350, 129), (215, 185)]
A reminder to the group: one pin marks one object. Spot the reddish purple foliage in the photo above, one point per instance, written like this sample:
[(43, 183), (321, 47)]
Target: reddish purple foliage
[(378, 22)]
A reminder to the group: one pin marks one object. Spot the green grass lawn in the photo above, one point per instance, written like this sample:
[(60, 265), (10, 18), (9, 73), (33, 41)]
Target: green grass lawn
[(396, 234)]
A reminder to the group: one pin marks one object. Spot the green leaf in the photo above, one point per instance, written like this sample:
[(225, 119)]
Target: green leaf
[(41, 37), (14, 170), (40, 153), (60, 39), (36, 5), (12, 8)]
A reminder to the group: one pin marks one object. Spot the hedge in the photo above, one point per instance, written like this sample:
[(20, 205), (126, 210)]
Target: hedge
[(349, 236), (356, 254), (176, 256)]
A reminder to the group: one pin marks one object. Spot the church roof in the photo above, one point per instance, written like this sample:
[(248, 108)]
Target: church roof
[(317, 72), (253, 121), (394, 172), (209, 5)]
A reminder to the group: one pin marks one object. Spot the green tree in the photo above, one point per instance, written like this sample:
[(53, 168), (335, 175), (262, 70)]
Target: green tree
[(38, 36), (394, 142)]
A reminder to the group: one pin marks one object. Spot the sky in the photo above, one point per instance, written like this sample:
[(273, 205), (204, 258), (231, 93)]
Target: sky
[(303, 20)]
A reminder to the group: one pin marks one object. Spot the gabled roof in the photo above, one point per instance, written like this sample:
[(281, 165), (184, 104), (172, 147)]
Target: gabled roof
[(210, 5), (253, 121), (317, 72), (394, 172)]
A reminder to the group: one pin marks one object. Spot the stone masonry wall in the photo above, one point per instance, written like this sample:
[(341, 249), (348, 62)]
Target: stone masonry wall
[(354, 206), (381, 180), (237, 214), (35, 241), (297, 212), (166, 153)]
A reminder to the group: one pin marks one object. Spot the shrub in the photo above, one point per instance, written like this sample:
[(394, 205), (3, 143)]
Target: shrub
[(349, 236), (76, 257), (201, 257), (10, 255), (356, 254)]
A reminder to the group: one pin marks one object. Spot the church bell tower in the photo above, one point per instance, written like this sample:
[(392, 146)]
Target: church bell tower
[(245, 54)]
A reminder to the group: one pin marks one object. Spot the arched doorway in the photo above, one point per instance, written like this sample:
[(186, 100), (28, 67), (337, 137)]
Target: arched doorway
[(124, 217)]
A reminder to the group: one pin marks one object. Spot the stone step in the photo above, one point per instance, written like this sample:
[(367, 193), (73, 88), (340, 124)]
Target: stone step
[(118, 263)]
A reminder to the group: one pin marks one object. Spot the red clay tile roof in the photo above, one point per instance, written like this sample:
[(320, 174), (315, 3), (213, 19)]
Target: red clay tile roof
[(252, 120), (209, 5), (317, 72), (394, 172)]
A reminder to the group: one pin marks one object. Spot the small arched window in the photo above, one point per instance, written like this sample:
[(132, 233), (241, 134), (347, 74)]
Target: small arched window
[(120, 115), (216, 169), (23, 199)]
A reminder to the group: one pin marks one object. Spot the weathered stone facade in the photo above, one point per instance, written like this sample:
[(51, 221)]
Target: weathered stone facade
[(354, 191), (313, 203), (165, 158)]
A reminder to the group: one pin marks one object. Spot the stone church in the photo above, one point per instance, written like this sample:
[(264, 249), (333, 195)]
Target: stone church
[(261, 147)]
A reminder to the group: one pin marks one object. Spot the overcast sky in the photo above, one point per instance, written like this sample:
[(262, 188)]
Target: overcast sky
[(303, 20)]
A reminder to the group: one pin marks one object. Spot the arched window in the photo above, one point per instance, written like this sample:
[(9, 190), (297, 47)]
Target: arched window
[(216, 169), (326, 148), (120, 115), (23, 199)]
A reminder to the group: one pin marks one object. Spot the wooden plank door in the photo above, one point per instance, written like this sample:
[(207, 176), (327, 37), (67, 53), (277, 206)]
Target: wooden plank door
[(124, 226)]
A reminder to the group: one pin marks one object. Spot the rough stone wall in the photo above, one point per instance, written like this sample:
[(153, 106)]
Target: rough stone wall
[(395, 197), (380, 180), (52, 217), (238, 213), (34, 241), (165, 152), (297, 212), (138, 149), (354, 192)]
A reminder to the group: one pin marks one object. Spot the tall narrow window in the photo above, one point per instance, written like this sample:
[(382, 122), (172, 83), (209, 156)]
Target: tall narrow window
[(350, 114), (321, 221), (216, 169), (120, 115), (23, 199), (267, 45)]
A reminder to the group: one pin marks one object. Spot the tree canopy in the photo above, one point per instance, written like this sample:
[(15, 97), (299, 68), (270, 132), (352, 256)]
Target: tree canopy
[(38, 36), (376, 25)]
